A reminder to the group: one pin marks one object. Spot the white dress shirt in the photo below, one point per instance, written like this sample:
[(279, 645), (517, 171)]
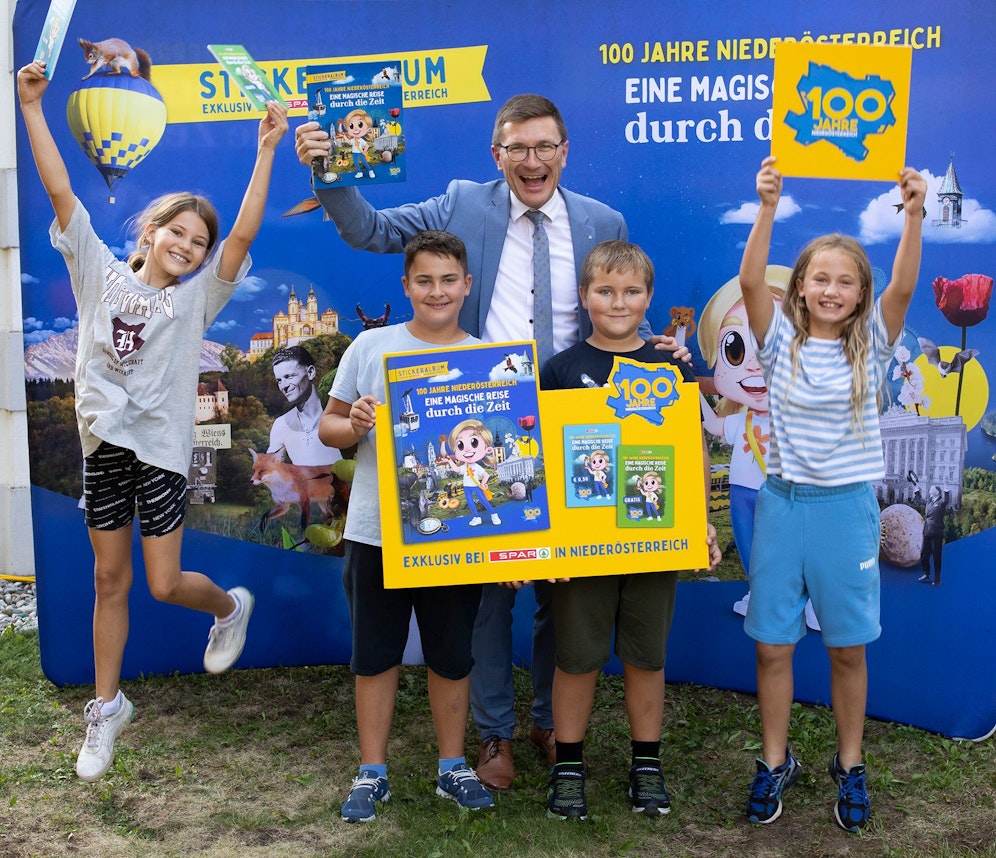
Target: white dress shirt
[(511, 313)]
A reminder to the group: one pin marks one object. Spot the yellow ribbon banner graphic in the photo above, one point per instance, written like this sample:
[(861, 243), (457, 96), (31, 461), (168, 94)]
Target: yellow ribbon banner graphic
[(203, 92)]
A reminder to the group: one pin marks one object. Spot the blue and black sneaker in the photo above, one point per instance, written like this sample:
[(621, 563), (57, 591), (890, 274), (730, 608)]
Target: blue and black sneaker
[(565, 798), (853, 804), (647, 790), (765, 802)]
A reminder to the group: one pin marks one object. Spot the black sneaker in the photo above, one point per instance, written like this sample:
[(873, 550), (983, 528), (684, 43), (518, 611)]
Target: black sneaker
[(853, 804), (647, 790), (565, 798), (765, 802)]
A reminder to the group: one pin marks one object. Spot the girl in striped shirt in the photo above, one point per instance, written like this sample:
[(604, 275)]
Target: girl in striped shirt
[(824, 354)]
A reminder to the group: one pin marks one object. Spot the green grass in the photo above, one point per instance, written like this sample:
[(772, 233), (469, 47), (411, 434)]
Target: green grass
[(256, 763)]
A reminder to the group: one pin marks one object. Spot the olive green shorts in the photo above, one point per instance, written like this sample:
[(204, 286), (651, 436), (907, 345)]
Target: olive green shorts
[(639, 607)]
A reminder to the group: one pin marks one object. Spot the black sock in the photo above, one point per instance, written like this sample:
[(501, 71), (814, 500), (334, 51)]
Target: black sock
[(570, 752), (645, 750)]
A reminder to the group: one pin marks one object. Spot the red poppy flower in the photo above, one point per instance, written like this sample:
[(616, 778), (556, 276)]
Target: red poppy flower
[(528, 422), (965, 301)]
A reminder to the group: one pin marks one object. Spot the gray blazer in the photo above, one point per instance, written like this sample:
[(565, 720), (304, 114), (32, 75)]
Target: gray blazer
[(478, 214)]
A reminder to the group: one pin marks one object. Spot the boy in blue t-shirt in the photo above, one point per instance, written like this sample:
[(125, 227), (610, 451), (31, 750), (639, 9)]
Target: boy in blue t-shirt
[(617, 281), (436, 281)]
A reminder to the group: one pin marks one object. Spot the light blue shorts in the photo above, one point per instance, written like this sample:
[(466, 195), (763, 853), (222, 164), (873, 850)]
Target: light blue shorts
[(817, 543)]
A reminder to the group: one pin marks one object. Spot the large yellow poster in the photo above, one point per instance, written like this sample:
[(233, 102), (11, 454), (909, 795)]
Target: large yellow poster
[(840, 111), (615, 482)]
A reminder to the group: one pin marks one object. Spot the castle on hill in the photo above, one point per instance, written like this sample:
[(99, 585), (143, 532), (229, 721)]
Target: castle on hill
[(301, 322)]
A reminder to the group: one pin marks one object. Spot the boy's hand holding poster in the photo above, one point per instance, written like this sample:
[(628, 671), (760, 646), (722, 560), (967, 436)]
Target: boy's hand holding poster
[(360, 106), (840, 111), (487, 478)]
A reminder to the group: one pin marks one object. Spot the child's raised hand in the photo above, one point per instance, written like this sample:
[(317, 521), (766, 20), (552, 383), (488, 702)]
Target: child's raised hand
[(914, 190), (31, 82), (769, 182), (273, 126)]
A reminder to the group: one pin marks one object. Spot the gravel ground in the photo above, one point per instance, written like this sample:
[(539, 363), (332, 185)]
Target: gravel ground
[(17, 606)]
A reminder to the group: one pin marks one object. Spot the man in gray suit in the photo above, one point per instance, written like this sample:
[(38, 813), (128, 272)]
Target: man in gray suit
[(529, 146)]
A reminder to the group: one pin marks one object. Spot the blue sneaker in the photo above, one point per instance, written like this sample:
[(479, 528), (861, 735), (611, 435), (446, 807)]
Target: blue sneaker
[(853, 804), (367, 789), (462, 785), (765, 802)]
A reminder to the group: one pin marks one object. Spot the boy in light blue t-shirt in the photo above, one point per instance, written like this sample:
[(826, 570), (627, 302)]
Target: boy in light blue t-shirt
[(436, 281)]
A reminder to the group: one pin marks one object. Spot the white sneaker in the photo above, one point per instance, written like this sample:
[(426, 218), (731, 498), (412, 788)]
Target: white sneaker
[(495, 519), (370, 173), (97, 752), (227, 640), (476, 520), (740, 607), (359, 175)]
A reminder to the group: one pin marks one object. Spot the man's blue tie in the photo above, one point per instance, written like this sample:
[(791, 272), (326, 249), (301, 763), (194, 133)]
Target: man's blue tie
[(542, 298)]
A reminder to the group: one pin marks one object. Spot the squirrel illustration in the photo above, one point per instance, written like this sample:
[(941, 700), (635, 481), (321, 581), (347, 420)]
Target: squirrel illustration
[(116, 54)]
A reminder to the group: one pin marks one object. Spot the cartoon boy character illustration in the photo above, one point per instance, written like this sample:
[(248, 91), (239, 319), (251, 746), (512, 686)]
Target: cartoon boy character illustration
[(253, 81), (358, 125), (649, 485), (52, 37), (469, 448), (597, 465), (741, 417)]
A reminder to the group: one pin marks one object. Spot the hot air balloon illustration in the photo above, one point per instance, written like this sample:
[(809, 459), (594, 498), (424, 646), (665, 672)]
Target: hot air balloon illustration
[(117, 119)]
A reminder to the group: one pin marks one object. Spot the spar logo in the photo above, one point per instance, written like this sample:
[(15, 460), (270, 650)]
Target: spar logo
[(507, 555)]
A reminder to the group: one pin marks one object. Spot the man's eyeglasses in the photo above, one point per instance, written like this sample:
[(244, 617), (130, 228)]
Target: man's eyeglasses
[(544, 151)]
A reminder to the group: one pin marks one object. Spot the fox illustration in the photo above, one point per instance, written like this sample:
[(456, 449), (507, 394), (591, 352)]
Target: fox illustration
[(116, 54), (290, 484)]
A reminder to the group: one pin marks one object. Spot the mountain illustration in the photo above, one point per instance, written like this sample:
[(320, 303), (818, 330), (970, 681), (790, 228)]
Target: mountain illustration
[(55, 358)]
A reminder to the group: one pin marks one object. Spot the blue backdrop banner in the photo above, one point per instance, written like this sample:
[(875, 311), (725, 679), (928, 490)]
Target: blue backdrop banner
[(669, 113)]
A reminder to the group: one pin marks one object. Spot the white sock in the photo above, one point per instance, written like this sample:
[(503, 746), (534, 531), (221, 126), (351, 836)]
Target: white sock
[(111, 707), (234, 615)]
